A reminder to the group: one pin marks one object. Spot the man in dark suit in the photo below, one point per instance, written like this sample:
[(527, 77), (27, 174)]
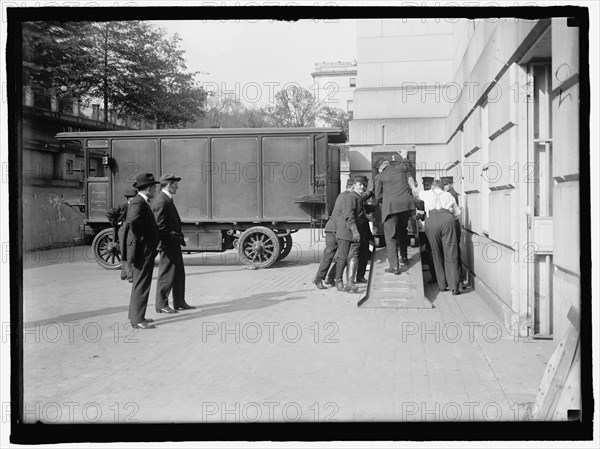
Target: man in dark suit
[(142, 240), (171, 272), (331, 240), (352, 227), (393, 190), (126, 273)]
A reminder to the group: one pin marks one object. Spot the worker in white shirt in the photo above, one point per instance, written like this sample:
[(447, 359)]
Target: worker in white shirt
[(441, 210)]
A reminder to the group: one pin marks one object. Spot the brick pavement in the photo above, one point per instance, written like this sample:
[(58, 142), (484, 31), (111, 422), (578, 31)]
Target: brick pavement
[(264, 345)]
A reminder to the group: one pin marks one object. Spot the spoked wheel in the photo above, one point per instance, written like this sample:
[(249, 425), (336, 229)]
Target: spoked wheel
[(285, 243), (259, 247), (106, 250)]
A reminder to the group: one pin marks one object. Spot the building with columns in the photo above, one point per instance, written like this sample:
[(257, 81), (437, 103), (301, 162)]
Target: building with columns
[(334, 84), (495, 104)]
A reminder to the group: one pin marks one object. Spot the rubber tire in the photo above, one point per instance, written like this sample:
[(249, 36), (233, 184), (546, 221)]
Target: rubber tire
[(266, 243), (286, 246), (106, 250)]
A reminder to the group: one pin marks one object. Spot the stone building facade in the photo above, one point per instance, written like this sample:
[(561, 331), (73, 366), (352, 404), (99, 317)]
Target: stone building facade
[(495, 104)]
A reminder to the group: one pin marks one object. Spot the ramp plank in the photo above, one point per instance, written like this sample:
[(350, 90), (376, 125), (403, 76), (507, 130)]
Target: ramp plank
[(403, 291)]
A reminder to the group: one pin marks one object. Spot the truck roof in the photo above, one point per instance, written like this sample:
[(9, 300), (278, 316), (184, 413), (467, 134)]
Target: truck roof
[(336, 134)]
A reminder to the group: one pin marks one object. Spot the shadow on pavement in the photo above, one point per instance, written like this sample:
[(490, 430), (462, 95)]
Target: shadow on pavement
[(69, 317), (253, 302)]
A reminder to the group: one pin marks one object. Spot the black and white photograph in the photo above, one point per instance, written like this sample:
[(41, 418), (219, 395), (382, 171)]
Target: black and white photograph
[(329, 223)]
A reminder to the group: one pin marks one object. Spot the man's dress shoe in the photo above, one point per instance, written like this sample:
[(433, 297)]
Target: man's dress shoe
[(143, 325), (319, 284), (166, 310), (185, 307)]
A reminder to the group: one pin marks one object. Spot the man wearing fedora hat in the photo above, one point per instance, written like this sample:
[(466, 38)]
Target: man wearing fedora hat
[(393, 190), (171, 272), (142, 240)]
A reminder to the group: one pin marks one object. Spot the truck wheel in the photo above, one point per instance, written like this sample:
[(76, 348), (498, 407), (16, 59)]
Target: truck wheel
[(106, 250), (259, 247), (285, 243)]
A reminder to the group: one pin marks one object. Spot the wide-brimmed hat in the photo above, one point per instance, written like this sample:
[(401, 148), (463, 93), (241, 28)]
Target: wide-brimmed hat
[(130, 193), (379, 162), (143, 180), (169, 177)]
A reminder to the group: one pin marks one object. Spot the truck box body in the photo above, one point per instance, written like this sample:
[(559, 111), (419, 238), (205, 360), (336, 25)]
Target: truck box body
[(282, 178)]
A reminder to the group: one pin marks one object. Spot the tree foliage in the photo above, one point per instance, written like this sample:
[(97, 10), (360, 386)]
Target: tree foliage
[(335, 117), (294, 107), (133, 66), (227, 111), (297, 107)]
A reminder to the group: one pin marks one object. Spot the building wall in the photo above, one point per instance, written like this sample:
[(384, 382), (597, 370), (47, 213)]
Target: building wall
[(456, 91), (51, 172), (47, 221), (332, 84), (565, 115)]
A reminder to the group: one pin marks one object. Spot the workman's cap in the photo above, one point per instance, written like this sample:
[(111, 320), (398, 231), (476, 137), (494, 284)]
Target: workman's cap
[(130, 193), (143, 180), (362, 179), (447, 180), (169, 177), (378, 163), (349, 182)]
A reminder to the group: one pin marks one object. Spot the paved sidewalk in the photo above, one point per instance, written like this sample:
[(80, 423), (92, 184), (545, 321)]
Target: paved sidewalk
[(264, 345)]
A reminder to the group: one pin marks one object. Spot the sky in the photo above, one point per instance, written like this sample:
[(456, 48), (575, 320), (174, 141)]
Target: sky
[(256, 59)]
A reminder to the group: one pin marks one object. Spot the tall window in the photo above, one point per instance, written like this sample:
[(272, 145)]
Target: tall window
[(540, 184)]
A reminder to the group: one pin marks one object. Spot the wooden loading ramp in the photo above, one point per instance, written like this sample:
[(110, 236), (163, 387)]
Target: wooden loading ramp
[(403, 291)]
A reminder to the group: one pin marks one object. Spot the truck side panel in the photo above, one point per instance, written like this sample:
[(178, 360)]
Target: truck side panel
[(235, 178), (286, 175), (188, 159), (132, 157)]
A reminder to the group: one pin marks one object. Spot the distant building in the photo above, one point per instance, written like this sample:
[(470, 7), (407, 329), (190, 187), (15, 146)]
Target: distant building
[(52, 173), (334, 84), (495, 104)]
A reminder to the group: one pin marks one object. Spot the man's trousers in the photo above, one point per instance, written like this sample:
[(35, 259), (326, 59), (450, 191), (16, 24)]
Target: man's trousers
[(396, 236), (171, 276), (441, 232)]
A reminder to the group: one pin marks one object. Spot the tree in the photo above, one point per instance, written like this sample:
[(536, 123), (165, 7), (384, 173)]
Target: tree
[(294, 107), (132, 66), (51, 56), (227, 111), (335, 117)]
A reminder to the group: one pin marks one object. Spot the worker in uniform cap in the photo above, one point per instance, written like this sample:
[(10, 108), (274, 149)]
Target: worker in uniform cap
[(448, 183), (393, 190), (352, 227), (171, 272), (331, 241), (126, 272), (364, 252), (427, 180), (441, 209), (142, 240)]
